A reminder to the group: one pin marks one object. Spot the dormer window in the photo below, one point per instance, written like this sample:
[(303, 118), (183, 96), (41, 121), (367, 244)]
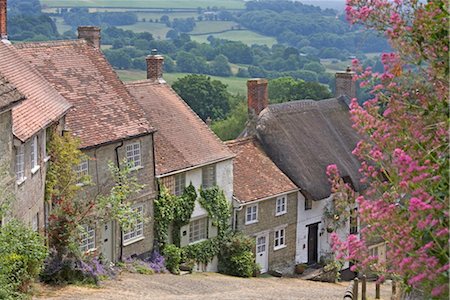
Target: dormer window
[(134, 155)]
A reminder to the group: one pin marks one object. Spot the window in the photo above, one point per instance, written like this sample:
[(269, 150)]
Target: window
[(281, 206), (87, 238), (134, 155), (138, 231), (251, 215), (308, 203), (354, 221), (34, 154), (180, 183), (35, 222), (45, 140), (198, 230), (20, 164), (82, 171), (208, 176), (279, 240)]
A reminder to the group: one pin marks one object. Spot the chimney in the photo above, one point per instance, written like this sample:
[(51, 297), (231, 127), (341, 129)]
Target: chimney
[(345, 84), (91, 34), (155, 65), (257, 96), (3, 20)]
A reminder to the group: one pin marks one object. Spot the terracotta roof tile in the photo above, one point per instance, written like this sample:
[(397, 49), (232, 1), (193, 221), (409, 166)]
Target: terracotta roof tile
[(43, 106), (255, 175), (9, 94), (103, 111), (182, 139)]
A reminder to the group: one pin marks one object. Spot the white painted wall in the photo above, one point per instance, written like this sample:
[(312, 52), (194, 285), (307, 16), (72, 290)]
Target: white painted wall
[(311, 216)]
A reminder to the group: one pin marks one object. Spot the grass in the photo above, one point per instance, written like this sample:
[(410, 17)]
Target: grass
[(236, 85), (205, 27), (246, 36), (158, 30), (181, 4)]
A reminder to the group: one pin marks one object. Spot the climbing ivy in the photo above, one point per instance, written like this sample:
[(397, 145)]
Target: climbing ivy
[(214, 202)]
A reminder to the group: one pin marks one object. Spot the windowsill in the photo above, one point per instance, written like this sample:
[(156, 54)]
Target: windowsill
[(136, 168), (47, 158), (134, 240), (251, 222), (89, 251), (196, 242), (80, 184), (281, 213), (279, 247), (35, 169), (21, 181)]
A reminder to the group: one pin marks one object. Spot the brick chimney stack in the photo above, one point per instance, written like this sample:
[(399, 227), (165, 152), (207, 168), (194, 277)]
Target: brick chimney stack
[(155, 64), (3, 20), (345, 84), (257, 96), (91, 34)]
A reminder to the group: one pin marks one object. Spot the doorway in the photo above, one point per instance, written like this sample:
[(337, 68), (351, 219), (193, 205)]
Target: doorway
[(313, 230), (262, 257)]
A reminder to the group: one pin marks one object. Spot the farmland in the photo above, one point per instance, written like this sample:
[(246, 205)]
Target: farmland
[(172, 4), (246, 36)]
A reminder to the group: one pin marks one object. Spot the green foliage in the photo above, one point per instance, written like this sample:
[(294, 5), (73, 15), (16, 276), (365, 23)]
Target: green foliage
[(183, 209), (288, 89), (202, 252), (208, 98), (6, 188), (236, 256), (172, 255), (233, 125), (22, 253), (214, 202)]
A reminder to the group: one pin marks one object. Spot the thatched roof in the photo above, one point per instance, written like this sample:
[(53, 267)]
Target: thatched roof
[(304, 137)]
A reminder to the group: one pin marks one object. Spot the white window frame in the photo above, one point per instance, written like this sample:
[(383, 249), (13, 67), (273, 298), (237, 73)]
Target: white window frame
[(44, 146), (209, 173), (198, 230), (179, 184), (34, 154), (137, 232), (279, 238), (134, 155), (251, 214), (20, 164), (281, 205), (35, 222), (87, 239), (82, 171)]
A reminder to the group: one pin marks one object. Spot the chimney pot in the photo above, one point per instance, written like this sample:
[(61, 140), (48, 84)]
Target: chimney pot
[(345, 86), (155, 64), (91, 34), (257, 96), (3, 20)]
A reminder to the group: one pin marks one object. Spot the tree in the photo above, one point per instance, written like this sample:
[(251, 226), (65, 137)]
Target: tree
[(405, 155), (288, 89), (208, 98), (220, 67), (233, 125)]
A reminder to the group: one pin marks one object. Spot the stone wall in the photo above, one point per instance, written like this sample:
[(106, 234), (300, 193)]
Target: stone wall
[(280, 259)]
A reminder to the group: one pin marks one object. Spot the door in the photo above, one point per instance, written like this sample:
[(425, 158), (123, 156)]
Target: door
[(312, 243), (107, 241), (262, 257)]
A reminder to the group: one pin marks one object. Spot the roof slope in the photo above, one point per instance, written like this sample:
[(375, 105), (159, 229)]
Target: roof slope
[(103, 111), (44, 105), (304, 137), (9, 94), (183, 140), (255, 175)]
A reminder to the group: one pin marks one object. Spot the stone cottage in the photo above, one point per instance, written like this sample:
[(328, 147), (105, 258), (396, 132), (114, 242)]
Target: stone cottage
[(112, 128), (186, 150), (43, 111), (302, 138), (264, 206)]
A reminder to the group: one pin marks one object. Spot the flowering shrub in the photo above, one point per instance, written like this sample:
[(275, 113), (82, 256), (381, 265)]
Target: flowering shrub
[(405, 151)]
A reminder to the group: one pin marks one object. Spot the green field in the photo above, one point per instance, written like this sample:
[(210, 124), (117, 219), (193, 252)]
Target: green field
[(235, 84), (246, 36), (174, 4), (158, 30), (205, 27)]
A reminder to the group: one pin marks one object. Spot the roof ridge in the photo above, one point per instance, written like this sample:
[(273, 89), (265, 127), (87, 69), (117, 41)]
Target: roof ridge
[(145, 82), (49, 43), (239, 141)]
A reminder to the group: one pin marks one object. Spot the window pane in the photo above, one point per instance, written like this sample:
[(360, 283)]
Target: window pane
[(198, 230)]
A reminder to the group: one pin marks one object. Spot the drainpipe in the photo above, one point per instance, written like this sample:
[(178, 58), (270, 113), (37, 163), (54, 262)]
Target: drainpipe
[(121, 233), (235, 210)]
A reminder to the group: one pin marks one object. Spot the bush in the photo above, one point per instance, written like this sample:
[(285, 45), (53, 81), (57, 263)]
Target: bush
[(236, 256), (22, 253), (172, 255)]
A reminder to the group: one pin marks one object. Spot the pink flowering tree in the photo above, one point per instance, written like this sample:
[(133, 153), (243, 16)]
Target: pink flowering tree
[(404, 151)]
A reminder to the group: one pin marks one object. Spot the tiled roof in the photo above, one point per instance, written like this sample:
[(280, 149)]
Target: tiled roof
[(255, 175), (103, 111), (43, 106), (182, 139), (9, 94)]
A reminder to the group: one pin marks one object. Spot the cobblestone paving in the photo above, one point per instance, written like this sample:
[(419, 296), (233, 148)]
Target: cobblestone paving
[(200, 286)]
